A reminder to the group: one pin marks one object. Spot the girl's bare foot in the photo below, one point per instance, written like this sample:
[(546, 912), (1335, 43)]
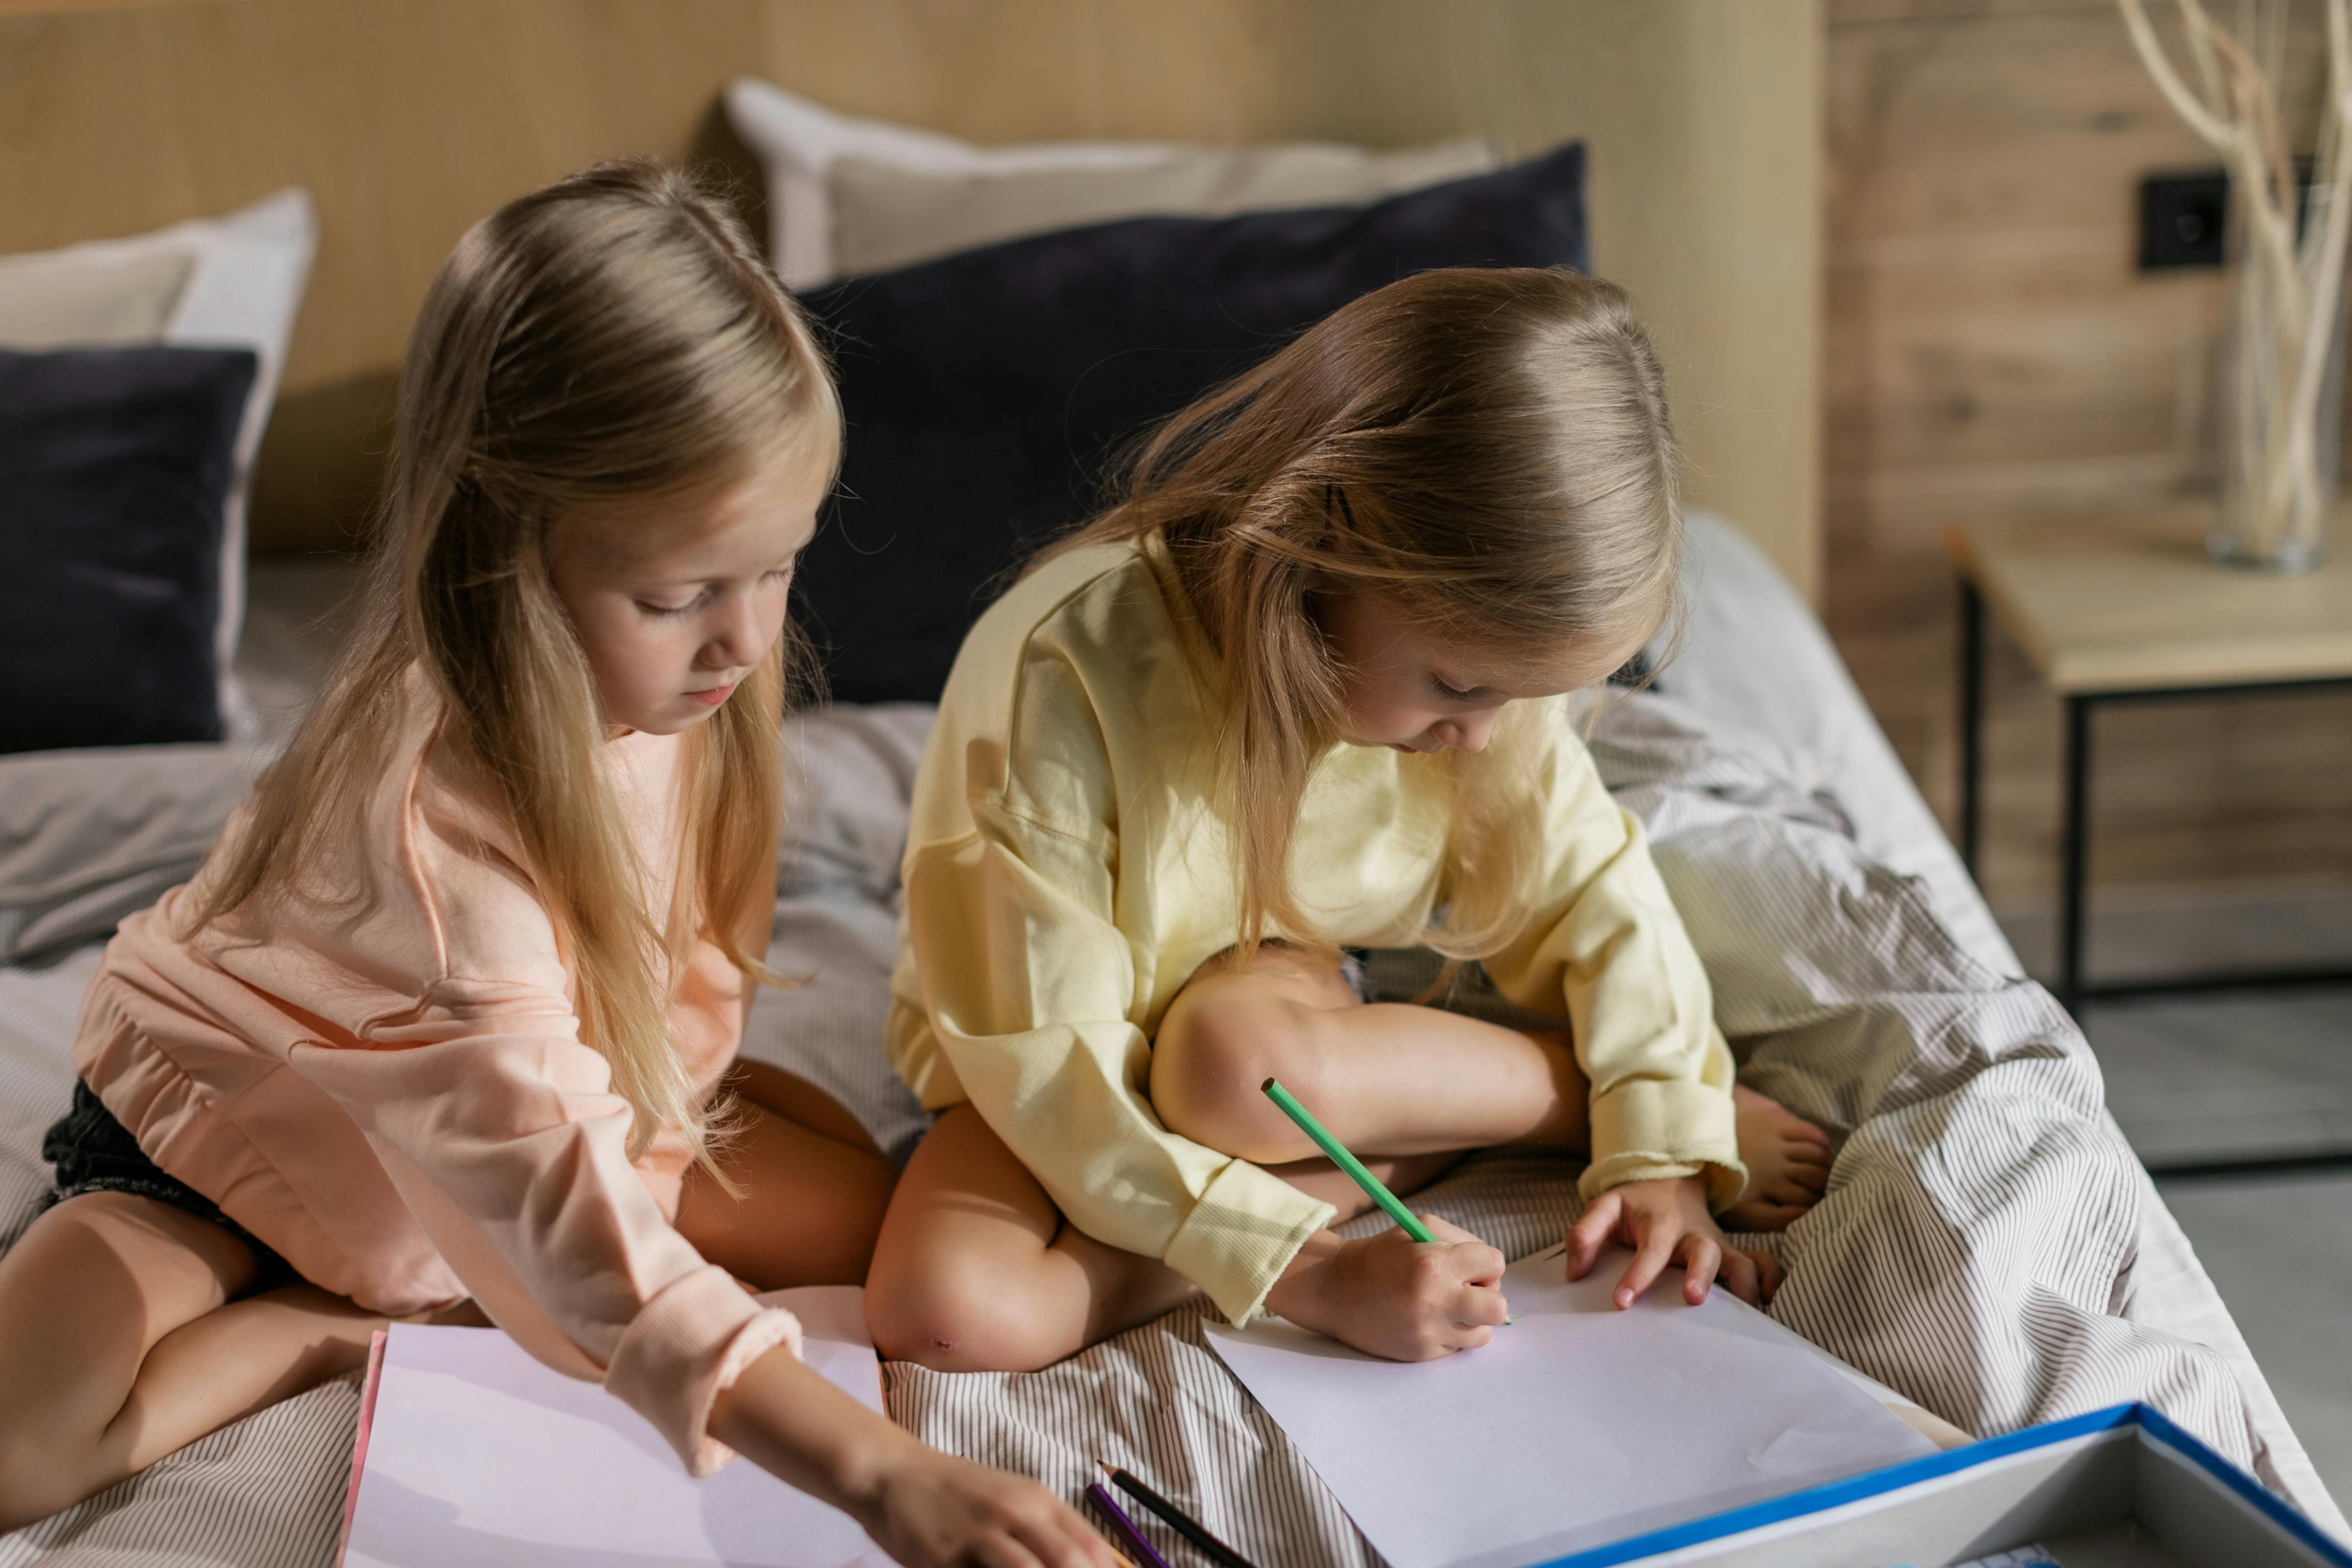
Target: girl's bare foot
[(1788, 1161)]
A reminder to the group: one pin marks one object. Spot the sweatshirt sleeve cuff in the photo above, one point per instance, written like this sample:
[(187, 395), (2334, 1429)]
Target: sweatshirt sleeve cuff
[(1650, 1128), (687, 1345), (1241, 1234)]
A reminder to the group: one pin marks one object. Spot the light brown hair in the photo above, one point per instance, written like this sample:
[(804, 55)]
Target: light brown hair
[(1485, 449), (614, 336)]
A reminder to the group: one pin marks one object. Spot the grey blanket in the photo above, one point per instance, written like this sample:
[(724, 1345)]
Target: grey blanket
[(1979, 1230)]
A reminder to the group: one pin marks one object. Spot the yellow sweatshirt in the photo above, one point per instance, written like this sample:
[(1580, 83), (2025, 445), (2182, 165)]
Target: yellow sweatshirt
[(1066, 872)]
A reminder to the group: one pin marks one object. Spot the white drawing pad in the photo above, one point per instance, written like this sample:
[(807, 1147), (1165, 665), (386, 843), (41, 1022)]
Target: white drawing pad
[(1576, 1425), (478, 1456)]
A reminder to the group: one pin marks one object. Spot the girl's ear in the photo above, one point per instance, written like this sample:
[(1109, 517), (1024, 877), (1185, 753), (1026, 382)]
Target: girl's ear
[(1316, 606)]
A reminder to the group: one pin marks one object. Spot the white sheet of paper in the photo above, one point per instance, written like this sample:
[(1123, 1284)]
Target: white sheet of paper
[(481, 1457), (1576, 1425)]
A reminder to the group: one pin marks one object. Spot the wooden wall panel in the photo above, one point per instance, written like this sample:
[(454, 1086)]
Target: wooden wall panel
[(409, 119), (1988, 345)]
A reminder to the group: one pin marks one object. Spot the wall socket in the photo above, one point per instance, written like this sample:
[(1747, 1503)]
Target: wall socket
[(2183, 218)]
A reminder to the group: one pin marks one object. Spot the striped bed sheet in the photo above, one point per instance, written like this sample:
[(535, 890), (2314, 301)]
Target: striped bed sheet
[(1988, 1246)]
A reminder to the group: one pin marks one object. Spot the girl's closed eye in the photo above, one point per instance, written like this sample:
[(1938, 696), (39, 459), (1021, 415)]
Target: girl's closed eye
[(1437, 683), (656, 607)]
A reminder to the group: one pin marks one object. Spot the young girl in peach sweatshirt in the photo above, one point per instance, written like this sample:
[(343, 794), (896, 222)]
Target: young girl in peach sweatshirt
[(450, 1014)]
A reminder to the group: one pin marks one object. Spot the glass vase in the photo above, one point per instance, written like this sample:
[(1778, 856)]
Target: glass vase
[(2282, 426)]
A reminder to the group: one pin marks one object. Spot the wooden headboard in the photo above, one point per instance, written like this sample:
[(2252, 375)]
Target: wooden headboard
[(409, 119)]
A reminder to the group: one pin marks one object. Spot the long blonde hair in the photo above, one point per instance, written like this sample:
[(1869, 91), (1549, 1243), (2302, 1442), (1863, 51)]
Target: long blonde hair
[(1487, 449), (614, 336)]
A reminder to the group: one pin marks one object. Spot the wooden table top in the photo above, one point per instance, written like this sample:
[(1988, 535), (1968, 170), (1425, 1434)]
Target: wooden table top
[(2131, 602)]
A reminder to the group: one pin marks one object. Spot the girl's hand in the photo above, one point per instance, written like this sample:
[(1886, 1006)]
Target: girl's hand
[(927, 1509), (1666, 1222), (1393, 1296), (935, 1510)]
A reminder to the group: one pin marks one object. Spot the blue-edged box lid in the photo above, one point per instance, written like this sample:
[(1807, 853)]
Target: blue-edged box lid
[(2112, 1476)]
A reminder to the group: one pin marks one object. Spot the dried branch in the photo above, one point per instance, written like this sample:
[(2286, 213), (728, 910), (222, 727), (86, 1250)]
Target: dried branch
[(2290, 285), (2205, 122)]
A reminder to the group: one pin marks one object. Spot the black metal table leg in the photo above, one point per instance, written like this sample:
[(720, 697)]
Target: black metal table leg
[(1971, 722), (2074, 852)]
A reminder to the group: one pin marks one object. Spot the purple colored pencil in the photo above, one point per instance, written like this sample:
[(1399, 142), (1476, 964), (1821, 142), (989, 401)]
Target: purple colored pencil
[(1124, 1528)]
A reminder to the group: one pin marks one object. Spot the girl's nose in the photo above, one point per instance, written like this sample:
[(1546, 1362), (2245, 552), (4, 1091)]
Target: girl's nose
[(737, 642), (1467, 733)]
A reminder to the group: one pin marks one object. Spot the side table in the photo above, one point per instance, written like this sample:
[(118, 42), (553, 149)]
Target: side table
[(2119, 609)]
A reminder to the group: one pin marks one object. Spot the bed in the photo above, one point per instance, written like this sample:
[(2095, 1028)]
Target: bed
[(1988, 1247), (1849, 951)]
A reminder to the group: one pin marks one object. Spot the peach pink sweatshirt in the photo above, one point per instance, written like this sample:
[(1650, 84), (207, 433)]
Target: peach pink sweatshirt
[(385, 1081)]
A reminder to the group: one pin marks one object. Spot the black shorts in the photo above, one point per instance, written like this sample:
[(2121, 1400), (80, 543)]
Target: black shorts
[(93, 1152)]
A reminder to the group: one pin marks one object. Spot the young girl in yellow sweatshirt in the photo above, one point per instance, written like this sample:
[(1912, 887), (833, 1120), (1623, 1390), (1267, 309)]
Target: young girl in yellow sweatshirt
[(1306, 688)]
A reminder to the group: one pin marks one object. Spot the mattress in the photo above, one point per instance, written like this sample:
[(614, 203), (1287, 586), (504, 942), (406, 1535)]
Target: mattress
[(1860, 973)]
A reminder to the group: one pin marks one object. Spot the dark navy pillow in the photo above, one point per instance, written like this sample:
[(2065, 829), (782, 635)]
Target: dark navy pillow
[(985, 390), (114, 468)]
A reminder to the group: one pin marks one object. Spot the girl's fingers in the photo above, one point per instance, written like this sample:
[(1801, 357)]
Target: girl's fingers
[(1072, 1545), (1479, 1264), (1657, 1250), (1590, 1231), (1472, 1260), (1476, 1263), (1769, 1274), (1053, 1541), (1002, 1552), (1740, 1277), (1701, 1259), (1470, 1339), (1093, 1551), (1480, 1306)]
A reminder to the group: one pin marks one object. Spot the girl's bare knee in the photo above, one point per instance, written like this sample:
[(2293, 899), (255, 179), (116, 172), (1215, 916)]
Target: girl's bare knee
[(952, 1322), (35, 1480), (1211, 1061), (45, 1463)]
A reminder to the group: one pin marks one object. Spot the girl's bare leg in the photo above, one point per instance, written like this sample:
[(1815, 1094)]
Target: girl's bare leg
[(1398, 1079), (122, 1338), (811, 1188), (1386, 1078), (794, 1099), (978, 1271), (125, 1332)]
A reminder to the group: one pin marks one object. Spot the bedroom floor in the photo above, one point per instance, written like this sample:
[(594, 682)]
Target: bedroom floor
[(2220, 1077), (2281, 1250)]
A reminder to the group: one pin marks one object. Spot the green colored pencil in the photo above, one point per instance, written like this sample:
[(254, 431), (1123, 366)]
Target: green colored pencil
[(1373, 1187)]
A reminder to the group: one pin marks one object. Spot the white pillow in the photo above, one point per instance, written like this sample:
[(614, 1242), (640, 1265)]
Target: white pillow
[(797, 143), (886, 215), (58, 299), (244, 279), (848, 195)]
